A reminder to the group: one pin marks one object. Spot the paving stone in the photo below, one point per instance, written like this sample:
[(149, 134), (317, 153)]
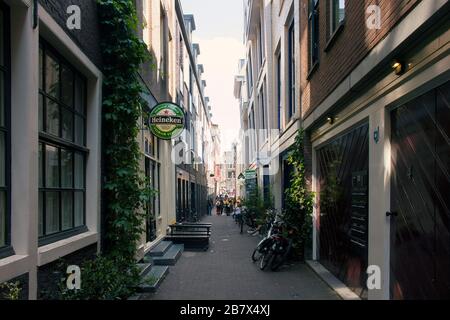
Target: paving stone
[(226, 271)]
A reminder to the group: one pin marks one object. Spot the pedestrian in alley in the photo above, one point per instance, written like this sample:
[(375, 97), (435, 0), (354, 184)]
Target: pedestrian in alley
[(219, 207), (210, 206)]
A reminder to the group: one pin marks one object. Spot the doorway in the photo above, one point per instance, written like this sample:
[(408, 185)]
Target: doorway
[(420, 200), (343, 165)]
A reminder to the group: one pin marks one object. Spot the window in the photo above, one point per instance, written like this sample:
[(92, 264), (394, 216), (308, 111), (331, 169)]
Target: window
[(291, 80), (250, 74), (4, 124), (313, 32), (164, 43), (146, 22), (263, 108), (279, 88), (337, 14), (62, 147), (153, 171), (261, 43)]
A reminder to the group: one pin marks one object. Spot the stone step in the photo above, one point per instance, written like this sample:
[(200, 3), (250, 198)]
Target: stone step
[(145, 268), (160, 249), (153, 279), (170, 257)]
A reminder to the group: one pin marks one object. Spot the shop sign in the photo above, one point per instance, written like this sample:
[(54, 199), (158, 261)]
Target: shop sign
[(166, 121)]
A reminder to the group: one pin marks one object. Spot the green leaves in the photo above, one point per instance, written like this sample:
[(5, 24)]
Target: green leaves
[(114, 275), (299, 200)]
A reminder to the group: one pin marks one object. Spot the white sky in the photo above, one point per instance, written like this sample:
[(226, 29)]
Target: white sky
[(220, 32)]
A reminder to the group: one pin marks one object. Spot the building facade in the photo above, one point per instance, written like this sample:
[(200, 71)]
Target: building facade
[(194, 149), (368, 81), (50, 142), (50, 137), (375, 90), (268, 92)]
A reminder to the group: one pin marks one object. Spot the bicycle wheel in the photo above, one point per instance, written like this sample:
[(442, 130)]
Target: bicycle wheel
[(279, 259), (265, 259), (256, 255)]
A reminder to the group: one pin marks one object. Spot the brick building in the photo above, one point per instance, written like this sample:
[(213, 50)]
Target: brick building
[(51, 135), (368, 81)]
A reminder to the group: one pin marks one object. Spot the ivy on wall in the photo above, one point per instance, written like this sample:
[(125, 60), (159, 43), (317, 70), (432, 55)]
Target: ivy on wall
[(299, 200), (114, 275)]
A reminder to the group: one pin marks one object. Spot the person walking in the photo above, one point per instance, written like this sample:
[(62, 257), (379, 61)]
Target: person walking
[(219, 206)]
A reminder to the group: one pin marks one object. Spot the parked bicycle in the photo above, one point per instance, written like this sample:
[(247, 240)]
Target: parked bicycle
[(273, 226), (275, 248), (276, 255)]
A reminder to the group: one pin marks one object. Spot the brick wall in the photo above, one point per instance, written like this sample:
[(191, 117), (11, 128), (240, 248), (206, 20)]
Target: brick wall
[(88, 38), (50, 275), (349, 47)]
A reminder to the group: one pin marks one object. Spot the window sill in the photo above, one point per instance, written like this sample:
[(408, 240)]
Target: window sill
[(54, 251), (312, 70), (61, 236), (13, 266), (334, 36)]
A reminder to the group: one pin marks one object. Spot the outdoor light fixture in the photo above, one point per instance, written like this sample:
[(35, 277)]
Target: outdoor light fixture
[(398, 67), (331, 120)]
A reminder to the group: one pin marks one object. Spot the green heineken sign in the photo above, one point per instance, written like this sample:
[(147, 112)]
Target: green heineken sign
[(167, 121)]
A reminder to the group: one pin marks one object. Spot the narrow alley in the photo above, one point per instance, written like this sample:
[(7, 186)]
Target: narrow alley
[(226, 272), (322, 125)]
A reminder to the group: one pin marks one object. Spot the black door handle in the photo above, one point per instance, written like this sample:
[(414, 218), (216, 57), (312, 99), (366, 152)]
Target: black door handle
[(391, 214)]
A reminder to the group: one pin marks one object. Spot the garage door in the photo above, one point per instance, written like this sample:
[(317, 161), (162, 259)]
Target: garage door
[(420, 197)]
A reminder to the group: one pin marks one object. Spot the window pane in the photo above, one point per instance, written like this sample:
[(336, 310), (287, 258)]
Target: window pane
[(52, 167), (66, 169), (52, 118), (52, 77), (2, 40), (67, 80), (67, 124), (41, 113), (2, 101), (2, 218), (79, 171), (67, 210), (2, 160), (79, 209), (52, 212), (41, 215), (340, 10), (41, 165), (79, 130), (80, 95), (41, 69)]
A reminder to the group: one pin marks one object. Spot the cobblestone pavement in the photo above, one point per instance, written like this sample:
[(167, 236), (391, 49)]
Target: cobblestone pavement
[(227, 272)]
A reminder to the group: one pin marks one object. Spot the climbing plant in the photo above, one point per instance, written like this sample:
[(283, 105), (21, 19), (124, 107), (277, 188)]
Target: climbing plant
[(125, 189), (299, 200), (114, 274)]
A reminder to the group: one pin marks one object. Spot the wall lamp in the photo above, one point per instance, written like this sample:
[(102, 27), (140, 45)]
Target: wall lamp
[(398, 66), (331, 120)]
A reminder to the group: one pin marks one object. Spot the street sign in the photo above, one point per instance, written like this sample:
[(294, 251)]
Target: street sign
[(167, 121), (250, 174)]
